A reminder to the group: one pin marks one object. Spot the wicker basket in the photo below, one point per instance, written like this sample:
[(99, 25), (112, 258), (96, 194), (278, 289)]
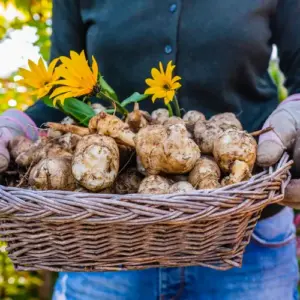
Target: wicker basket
[(68, 231)]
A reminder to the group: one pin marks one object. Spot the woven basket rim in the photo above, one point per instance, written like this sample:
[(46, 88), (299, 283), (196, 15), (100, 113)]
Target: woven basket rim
[(260, 190)]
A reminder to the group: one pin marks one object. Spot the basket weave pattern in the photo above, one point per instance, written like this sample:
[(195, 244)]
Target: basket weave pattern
[(69, 231)]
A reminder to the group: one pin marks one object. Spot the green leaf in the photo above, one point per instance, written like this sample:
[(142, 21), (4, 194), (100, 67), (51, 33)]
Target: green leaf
[(48, 101), (79, 110), (135, 97), (106, 88)]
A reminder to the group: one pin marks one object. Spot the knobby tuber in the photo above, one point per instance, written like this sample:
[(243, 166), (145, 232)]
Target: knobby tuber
[(235, 153), (191, 117), (96, 162), (154, 184), (138, 119), (168, 150), (69, 141), (53, 174), (112, 126), (155, 154), (181, 187), (18, 145), (206, 174), (159, 116), (205, 132)]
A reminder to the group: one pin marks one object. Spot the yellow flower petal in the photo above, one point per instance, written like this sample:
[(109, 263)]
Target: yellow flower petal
[(154, 97), (152, 82), (25, 73), (155, 74), (161, 93), (176, 85), (85, 68), (43, 92), (176, 78), (69, 66), (158, 90), (42, 68), (30, 82), (68, 82), (52, 65), (60, 90), (161, 68), (169, 71), (170, 95), (35, 68), (166, 101), (95, 68), (38, 77)]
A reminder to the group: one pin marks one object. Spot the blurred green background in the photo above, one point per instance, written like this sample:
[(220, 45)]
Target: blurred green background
[(25, 29)]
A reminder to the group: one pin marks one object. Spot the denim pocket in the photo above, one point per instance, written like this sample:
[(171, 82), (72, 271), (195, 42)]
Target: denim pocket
[(277, 230)]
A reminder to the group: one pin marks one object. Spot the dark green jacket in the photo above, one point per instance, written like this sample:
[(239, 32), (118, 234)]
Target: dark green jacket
[(221, 49)]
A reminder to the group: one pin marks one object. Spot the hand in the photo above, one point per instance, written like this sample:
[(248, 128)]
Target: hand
[(13, 123), (285, 135)]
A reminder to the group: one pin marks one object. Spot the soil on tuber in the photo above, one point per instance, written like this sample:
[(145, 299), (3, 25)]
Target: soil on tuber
[(128, 181)]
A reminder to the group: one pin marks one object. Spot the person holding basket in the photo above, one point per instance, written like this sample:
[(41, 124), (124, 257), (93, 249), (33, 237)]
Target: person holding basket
[(222, 50)]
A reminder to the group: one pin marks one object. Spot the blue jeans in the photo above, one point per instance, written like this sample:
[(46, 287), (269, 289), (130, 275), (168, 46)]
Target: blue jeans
[(269, 272)]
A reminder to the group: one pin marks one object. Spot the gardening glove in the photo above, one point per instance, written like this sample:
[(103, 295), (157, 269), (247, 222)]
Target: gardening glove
[(285, 121), (14, 123)]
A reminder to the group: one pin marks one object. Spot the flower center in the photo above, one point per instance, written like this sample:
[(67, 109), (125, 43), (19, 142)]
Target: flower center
[(166, 86), (96, 89)]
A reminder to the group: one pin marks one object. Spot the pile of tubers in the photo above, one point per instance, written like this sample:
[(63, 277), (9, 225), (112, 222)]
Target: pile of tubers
[(144, 153)]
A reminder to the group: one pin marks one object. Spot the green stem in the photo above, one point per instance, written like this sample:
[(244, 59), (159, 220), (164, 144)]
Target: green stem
[(110, 111), (170, 110), (135, 97), (177, 108), (119, 107)]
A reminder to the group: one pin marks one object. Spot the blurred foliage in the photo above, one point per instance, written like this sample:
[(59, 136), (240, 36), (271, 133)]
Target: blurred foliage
[(278, 79), (17, 285), (36, 14)]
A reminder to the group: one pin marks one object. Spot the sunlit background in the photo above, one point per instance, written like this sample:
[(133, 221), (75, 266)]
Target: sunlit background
[(25, 28)]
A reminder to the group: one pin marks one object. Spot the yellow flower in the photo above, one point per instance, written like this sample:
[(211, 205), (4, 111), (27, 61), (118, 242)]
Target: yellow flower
[(77, 78), (39, 77), (163, 85)]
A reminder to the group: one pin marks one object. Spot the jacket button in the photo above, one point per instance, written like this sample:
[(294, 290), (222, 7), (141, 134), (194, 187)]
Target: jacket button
[(173, 8), (168, 49)]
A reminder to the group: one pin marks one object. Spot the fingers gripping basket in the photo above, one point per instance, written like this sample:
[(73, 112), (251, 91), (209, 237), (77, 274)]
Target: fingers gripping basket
[(71, 231)]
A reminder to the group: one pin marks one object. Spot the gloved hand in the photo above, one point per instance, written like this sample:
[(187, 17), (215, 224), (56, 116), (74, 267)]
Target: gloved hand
[(285, 121), (13, 123)]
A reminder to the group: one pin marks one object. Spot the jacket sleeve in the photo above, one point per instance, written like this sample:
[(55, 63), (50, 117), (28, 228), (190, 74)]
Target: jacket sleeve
[(68, 33), (286, 35)]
